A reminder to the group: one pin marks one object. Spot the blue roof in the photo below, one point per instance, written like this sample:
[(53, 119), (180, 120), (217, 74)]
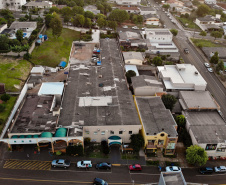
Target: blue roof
[(63, 64), (99, 63)]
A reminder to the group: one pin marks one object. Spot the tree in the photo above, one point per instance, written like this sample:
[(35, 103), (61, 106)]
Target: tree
[(137, 141), (4, 42), (220, 66), (88, 22), (66, 18), (53, 9), (5, 97), (77, 10), (181, 121), (203, 33), (19, 35), (216, 34), (134, 19), (174, 32), (186, 15), (203, 10), (89, 14), (112, 24), (157, 61), (140, 19), (169, 101), (215, 58), (196, 155), (101, 22), (56, 25), (80, 3), (48, 19), (118, 15), (66, 11), (81, 19), (166, 6), (2, 107), (130, 74)]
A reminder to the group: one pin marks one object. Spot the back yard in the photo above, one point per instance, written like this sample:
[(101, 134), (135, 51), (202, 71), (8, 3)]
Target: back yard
[(205, 43), (188, 23), (13, 73), (51, 52)]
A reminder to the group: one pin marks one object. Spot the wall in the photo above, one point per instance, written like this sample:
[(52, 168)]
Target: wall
[(147, 91), (134, 62)]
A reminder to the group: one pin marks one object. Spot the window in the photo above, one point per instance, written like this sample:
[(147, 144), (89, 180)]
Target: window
[(211, 146), (103, 133), (95, 133), (162, 135), (130, 132), (120, 132), (87, 132), (112, 132), (220, 149)]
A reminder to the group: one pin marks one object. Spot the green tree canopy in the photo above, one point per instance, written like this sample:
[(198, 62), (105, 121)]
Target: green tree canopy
[(48, 19), (169, 101), (166, 6), (77, 10), (137, 142), (216, 34), (54, 9), (112, 24), (19, 35), (220, 66), (89, 14), (56, 25), (66, 11), (181, 121), (203, 33), (81, 19), (157, 61), (203, 10), (5, 97), (196, 155), (88, 22), (174, 32), (101, 22), (118, 15), (4, 42), (130, 74), (215, 58)]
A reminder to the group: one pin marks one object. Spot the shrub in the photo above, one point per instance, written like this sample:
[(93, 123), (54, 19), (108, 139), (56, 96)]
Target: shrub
[(58, 153), (27, 56), (2, 107), (87, 141), (74, 150), (5, 97)]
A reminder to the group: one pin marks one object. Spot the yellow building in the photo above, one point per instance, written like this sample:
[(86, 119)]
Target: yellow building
[(159, 128)]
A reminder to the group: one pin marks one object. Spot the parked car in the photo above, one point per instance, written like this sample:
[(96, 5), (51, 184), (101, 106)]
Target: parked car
[(84, 164), (98, 181), (186, 50), (143, 28), (173, 169), (125, 26), (135, 167), (108, 28), (103, 165), (206, 170), (220, 169), (135, 28), (207, 64), (210, 69), (63, 163), (164, 26)]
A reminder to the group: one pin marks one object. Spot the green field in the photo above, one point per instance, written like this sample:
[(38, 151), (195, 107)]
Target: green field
[(205, 43), (13, 73), (5, 114), (54, 50), (189, 22)]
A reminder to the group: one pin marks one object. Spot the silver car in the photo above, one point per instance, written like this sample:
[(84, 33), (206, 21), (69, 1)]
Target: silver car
[(220, 169), (63, 163), (210, 69)]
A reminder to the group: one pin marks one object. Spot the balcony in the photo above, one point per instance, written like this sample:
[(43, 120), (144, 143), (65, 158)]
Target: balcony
[(151, 146)]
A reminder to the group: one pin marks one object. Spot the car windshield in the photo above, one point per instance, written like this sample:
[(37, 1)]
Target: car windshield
[(81, 162), (134, 166)]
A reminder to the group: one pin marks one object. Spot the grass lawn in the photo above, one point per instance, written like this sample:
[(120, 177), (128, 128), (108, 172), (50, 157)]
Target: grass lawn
[(5, 114), (13, 72), (190, 23), (205, 43), (51, 52)]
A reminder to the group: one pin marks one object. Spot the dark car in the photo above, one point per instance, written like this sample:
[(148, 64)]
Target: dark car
[(98, 181), (206, 170), (106, 166)]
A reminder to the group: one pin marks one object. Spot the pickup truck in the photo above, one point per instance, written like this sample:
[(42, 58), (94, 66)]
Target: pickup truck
[(63, 163)]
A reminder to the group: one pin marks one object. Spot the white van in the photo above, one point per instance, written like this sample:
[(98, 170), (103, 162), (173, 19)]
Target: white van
[(84, 164)]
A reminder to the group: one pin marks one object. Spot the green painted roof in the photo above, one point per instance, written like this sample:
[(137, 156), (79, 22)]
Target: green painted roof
[(114, 138), (113, 143), (15, 136), (29, 136), (35, 136), (46, 134), (22, 136), (61, 132)]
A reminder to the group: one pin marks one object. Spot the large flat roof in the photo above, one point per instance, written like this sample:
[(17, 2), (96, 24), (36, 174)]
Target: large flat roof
[(89, 84), (173, 178), (207, 127), (155, 117), (51, 88), (144, 80)]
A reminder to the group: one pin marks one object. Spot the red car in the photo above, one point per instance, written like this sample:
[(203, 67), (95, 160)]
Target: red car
[(135, 167)]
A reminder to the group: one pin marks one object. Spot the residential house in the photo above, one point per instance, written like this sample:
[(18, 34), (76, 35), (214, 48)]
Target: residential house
[(210, 2), (128, 2), (159, 128), (181, 77), (175, 4), (133, 58), (209, 23), (209, 52), (169, 178), (130, 9), (144, 85), (37, 71), (3, 27), (204, 123), (15, 5), (151, 19), (144, 10), (38, 4), (92, 8)]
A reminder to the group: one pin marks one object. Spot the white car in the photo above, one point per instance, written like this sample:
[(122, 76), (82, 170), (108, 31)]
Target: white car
[(125, 26), (220, 169), (135, 28), (207, 64), (84, 164), (108, 29), (210, 69), (173, 169)]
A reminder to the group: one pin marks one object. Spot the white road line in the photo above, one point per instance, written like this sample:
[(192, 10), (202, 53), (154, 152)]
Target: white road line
[(80, 171), (143, 174)]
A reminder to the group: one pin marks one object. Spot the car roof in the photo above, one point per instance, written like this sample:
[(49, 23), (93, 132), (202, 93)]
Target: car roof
[(98, 179), (208, 168), (61, 160), (222, 167)]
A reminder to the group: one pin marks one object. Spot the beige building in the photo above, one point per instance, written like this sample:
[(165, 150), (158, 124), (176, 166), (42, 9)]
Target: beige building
[(133, 58)]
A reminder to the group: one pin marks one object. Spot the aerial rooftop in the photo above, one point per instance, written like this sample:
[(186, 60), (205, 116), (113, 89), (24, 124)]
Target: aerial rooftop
[(144, 80), (98, 95), (173, 178)]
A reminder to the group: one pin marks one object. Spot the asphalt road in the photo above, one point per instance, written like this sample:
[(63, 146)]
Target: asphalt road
[(118, 175)]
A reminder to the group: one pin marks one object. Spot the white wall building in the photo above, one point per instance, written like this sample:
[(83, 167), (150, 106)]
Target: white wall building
[(181, 77), (128, 2), (133, 58), (210, 2), (12, 4)]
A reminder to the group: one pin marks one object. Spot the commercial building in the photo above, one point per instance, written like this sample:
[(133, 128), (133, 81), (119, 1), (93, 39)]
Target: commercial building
[(15, 5), (181, 77), (159, 128)]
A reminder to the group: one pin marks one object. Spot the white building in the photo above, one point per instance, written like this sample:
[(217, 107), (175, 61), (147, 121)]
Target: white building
[(151, 19), (181, 77), (209, 22), (210, 2), (40, 5), (133, 58), (144, 10), (128, 2), (12, 4), (91, 8)]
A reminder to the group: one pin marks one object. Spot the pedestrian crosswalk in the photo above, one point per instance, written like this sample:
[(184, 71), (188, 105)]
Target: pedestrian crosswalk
[(27, 165)]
